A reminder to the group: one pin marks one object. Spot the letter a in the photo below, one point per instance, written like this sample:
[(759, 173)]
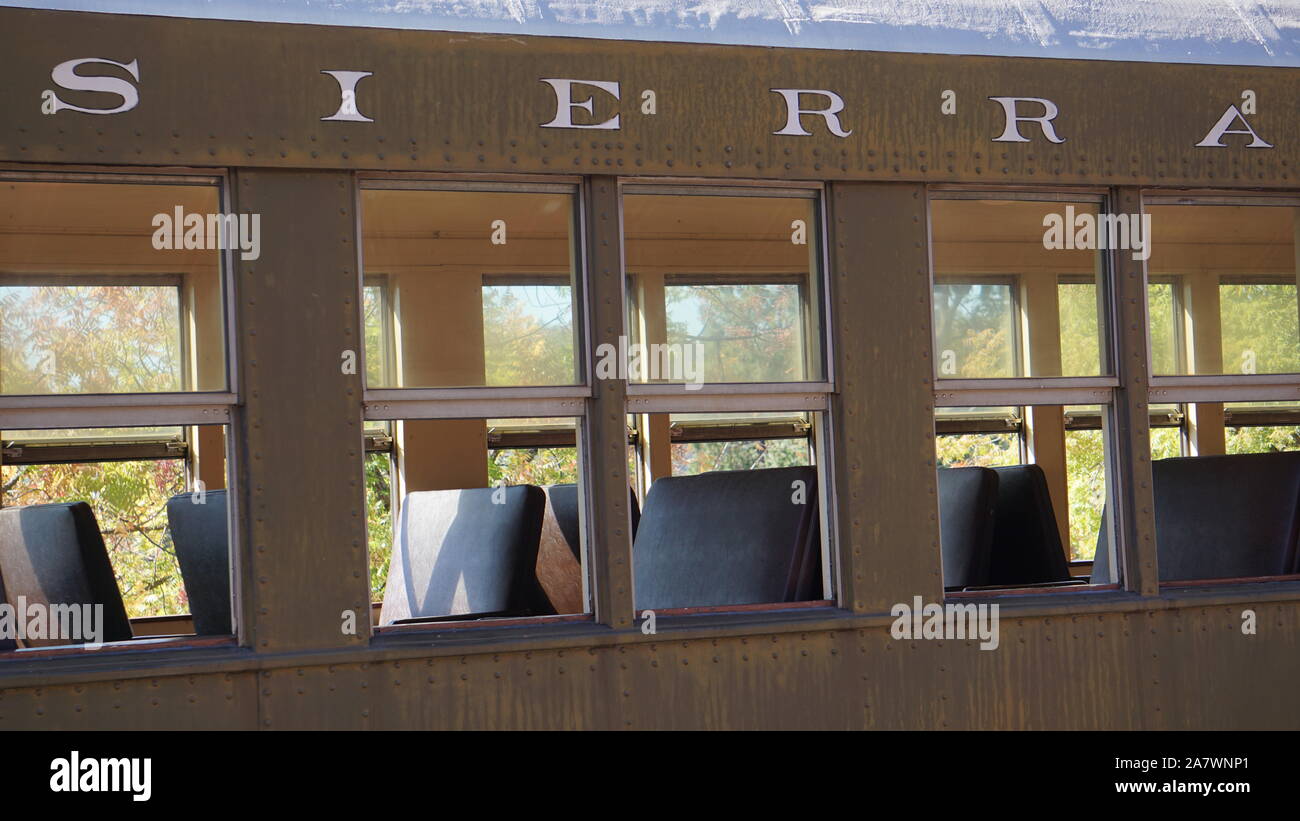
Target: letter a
[(1215, 137)]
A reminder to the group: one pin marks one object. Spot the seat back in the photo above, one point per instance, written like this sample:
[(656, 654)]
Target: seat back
[(200, 534), (728, 538), (968, 498), (466, 552), (54, 554), (1027, 545), (559, 556), (562, 501), (1222, 517)]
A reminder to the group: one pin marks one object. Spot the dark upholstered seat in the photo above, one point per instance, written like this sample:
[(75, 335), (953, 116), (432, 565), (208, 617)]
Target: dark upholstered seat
[(200, 534), (559, 556), (457, 553), (1221, 517), (1027, 545), (727, 538), (54, 554), (968, 498)]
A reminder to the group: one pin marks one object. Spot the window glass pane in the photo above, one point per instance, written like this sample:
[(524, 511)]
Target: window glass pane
[(1015, 289), (723, 288), (1235, 266), (528, 332), (379, 338), (1080, 338), (1166, 345), (975, 329), (160, 523), (101, 291), (480, 287), (489, 521), (1260, 329)]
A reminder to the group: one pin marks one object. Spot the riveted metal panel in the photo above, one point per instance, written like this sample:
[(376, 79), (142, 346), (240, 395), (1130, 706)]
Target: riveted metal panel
[(555, 689), (211, 701), (304, 559), (1153, 665), (880, 284), (606, 417), (1133, 432), (253, 94)]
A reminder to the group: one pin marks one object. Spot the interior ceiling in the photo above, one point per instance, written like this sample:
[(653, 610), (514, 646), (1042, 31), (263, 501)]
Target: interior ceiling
[(1001, 221), (92, 208), (97, 208)]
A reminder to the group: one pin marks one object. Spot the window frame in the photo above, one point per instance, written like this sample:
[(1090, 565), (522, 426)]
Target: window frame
[(1184, 389), (392, 405), (804, 397), (1024, 392), (185, 409)]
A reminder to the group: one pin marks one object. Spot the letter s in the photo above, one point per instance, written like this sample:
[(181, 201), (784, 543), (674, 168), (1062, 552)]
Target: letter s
[(65, 74)]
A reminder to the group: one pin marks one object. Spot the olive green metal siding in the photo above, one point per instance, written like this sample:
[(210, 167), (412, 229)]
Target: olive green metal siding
[(252, 94)]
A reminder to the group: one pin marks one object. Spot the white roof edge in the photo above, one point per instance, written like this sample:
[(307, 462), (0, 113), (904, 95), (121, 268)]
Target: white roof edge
[(1224, 32)]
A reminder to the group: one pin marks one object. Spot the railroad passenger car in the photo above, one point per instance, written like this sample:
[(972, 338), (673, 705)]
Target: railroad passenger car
[(370, 378)]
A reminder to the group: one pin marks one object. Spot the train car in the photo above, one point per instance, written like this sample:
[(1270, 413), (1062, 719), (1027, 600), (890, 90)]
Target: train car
[(534, 374)]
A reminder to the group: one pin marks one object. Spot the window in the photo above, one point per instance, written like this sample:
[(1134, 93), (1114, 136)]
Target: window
[(726, 365), (113, 368), (485, 276), (1021, 329), (1234, 269), (92, 306), (475, 483), (1226, 354), (704, 442)]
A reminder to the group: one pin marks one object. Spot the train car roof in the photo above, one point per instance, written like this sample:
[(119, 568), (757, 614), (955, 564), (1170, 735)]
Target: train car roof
[(1230, 32)]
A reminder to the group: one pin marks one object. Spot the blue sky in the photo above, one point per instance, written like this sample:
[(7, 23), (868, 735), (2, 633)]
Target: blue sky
[(1241, 32)]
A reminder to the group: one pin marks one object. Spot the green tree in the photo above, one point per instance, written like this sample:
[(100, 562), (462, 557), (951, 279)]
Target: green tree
[(748, 454), (751, 332), (528, 335), (974, 321), (129, 500)]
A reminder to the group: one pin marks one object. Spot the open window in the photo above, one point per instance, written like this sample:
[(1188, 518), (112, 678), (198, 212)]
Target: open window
[(114, 407), (475, 479), (728, 387), (1024, 391), (1225, 339)]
